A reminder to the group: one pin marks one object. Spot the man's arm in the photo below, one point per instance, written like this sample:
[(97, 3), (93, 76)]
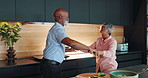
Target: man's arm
[(76, 45)]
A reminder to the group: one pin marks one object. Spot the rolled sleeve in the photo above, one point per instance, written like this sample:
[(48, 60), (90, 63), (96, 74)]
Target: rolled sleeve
[(111, 50)]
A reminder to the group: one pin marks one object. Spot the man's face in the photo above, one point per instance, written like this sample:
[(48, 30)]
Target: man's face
[(65, 17)]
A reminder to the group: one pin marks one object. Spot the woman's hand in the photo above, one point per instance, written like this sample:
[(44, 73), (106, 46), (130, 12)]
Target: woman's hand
[(99, 53)]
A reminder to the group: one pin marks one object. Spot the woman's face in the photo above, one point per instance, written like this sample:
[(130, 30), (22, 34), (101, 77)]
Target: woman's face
[(104, 31)]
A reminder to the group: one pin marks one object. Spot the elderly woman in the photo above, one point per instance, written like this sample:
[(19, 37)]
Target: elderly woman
[(106, 50)]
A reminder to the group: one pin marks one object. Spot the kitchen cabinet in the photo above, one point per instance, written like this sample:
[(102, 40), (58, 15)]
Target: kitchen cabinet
[(10, 72), (7, 10), (79, 11), (30, 10), (52, 5), (29, 68), (129, 59), (77, 66), (86, 11), (97, 11), (113, 12), (126, 12)]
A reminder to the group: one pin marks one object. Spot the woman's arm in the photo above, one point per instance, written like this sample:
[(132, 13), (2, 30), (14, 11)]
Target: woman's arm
[(111, 50)]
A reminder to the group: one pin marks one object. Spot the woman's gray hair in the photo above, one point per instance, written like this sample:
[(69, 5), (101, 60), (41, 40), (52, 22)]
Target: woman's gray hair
[(109, 26)]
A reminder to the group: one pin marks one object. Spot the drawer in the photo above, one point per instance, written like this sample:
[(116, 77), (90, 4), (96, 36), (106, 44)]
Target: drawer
[(82, 63), (129, 63), (86, 70), (68, 65), (129, 57), (27, 70), (68, 74), (10, 72)]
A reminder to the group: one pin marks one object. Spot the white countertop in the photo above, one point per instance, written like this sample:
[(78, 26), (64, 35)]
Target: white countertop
[(72, 55)]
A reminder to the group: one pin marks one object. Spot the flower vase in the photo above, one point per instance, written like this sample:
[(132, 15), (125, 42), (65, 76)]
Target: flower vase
[(10, 55)]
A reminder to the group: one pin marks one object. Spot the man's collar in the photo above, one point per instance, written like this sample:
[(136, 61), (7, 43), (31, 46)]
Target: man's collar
[(58, 24)]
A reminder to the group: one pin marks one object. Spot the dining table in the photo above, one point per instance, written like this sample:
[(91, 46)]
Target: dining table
[(135, 68)]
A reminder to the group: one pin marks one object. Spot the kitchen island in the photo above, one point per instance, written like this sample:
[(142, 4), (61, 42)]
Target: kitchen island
[(72, 66), (138, 68)]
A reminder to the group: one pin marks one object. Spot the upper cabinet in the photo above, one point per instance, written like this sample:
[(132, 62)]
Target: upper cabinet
[(52, 5), (79, 11), (126, 12), (117, 12), (30, 10), (97, 11), (7, 10), (113, 11)]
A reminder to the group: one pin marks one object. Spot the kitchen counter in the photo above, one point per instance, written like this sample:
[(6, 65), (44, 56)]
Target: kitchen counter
[(18, 62), (80, 55), (77, 63), (72, 56)]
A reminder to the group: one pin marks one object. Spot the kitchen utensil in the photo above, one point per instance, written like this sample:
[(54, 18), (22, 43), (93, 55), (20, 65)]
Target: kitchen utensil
[(91, 75), (142, 71)]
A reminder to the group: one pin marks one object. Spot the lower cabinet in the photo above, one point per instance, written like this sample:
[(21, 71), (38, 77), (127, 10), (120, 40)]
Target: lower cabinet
[(129, 59), (70, 68), (69, 73)]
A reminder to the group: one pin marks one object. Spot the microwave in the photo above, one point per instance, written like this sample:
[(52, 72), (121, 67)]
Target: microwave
[(122, 47)]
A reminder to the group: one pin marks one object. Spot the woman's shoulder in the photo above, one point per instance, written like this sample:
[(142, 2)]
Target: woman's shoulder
[(113, 39)]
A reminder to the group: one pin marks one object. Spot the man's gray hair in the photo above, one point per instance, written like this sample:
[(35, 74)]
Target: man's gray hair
[(109, 26)]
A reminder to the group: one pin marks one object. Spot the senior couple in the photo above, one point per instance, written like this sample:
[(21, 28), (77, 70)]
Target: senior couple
[(104, 48)]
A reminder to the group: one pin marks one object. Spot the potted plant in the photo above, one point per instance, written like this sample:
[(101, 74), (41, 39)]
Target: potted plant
[(9, 33)]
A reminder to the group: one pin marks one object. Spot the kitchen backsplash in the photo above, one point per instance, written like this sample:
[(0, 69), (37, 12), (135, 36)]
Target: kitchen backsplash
[(33, 37)]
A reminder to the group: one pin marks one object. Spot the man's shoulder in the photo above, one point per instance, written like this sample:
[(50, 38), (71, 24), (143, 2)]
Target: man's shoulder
[(56, 28)]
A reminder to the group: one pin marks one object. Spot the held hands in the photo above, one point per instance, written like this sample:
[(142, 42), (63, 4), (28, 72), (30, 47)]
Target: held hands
[(92, 51), (98, 53), (95, 52), (69, 50)]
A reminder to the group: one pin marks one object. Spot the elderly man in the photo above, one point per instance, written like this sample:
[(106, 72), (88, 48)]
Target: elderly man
[(54, 51)]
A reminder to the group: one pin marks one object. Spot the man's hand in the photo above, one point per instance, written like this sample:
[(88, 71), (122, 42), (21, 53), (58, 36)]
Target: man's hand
[(92, 51), (69, 50)]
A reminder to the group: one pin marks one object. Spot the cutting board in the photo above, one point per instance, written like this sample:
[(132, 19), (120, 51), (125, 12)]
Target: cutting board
[(88, 75)]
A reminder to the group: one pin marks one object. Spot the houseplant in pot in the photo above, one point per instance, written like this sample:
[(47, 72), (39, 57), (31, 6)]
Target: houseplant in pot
[(9, 33)]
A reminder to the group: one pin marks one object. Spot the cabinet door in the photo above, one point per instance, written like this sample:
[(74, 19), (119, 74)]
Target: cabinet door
[(97, 11), (7, 10), (52, 5), (30, 10), (126, 16), (113, 11), (79, 11), (86, 70)]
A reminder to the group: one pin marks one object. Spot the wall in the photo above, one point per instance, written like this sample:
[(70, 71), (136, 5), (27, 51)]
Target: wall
[(33, 37)]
